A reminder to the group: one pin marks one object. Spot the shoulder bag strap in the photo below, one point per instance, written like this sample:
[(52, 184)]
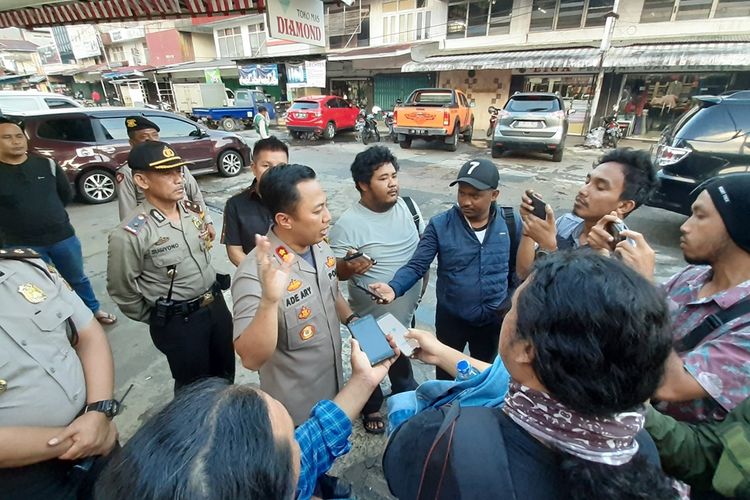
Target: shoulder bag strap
[(413, 209), (436, 462), (713, 322), (510, 221)]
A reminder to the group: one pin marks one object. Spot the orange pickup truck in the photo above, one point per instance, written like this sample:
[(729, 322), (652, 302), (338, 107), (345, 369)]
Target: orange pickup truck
[(434, 115)]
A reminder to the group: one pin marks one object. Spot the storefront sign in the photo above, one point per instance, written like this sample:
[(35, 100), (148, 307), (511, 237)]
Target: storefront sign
[(49, 55), (307, 74), (212, 75), (123, 34), (297, 20), (84, 40), (259, 74)]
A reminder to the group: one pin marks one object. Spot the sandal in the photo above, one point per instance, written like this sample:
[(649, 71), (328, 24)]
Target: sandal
[(105, 318), (373, 423)]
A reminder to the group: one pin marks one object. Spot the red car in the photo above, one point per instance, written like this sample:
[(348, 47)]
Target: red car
[(90, 144), (323, 115)]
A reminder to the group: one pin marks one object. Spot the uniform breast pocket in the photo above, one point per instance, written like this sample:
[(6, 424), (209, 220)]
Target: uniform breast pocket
[(52, 322), (166, 259), (302, 326)]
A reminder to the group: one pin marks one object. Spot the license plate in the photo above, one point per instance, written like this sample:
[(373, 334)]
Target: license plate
[(301, 115), (418, 131), (520, 124)]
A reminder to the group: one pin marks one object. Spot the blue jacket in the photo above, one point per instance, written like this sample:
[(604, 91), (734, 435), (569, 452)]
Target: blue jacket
[(472, 278)]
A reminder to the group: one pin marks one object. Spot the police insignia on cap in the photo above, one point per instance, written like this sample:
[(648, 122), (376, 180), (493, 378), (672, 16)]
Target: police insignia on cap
[(330, 262), (294, 285), (304, 313), (130, 122), (32, 293), (307, 332), (168, 152), (283, 254)]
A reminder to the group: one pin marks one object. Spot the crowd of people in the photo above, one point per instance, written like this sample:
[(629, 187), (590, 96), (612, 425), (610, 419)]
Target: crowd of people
[(588, 380)]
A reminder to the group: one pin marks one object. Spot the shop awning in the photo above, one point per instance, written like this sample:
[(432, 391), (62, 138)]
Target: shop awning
[(37, 13), (680, 56), (580, 58), (370, 52), (197, 66)]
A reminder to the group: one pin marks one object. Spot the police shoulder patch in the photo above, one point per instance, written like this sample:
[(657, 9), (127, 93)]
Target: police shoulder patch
[(18, 253), (136, 224), (158, 216), (192, 206)]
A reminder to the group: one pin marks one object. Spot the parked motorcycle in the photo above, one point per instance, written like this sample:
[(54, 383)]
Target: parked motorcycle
[(367, 127), (612, 132), (493, 120)]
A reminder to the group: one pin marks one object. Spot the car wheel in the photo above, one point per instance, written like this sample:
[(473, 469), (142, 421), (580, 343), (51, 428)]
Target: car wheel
[(468, 134), (497, 152), (228, 124), (558, 155), (229, 163), (405, 144), (452, 141), (329, 131), (97, 186)]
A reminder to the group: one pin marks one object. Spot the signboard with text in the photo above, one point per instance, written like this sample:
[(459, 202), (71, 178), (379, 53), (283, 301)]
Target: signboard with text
[(307, 74), (48, 54), (84, 40), (259, 74), (297, 20)]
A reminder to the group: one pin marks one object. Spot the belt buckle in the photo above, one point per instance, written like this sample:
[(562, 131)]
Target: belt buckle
[(206, 299)]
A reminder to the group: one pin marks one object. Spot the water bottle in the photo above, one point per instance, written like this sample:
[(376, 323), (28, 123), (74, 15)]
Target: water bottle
[(464, 370)]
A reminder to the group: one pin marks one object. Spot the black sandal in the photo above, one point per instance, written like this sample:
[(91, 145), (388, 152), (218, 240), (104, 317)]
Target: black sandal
[(369, 420)]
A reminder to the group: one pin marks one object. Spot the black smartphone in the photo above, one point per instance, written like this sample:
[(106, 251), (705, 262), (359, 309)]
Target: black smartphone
[(540, 208), (371, 338), (615, 229), (367, 291), (352, 256)]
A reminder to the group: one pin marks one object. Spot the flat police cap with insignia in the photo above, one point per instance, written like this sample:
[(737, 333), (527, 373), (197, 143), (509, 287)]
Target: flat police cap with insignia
[(133, 123), (154, 156)]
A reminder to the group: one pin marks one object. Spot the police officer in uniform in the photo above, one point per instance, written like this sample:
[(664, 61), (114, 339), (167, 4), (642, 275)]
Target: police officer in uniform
[(159, 271), (287, 304), (129, 195), (56, 382)]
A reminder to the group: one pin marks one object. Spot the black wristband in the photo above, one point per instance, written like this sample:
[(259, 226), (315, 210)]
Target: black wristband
[(350, 319)]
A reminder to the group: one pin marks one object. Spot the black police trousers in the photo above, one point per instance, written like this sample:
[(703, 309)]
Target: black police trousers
[(456, 332), (197, 345)]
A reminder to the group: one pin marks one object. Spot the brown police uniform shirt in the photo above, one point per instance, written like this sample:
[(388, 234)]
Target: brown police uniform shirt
[(145, 245), (306, 366), (41, 378)]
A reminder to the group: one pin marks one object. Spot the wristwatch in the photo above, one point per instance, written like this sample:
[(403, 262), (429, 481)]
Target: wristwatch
[(540, 254), (351, 318), (110, 407)]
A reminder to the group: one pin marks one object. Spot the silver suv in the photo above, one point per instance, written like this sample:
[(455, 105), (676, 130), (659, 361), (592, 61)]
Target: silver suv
[(531, 121)]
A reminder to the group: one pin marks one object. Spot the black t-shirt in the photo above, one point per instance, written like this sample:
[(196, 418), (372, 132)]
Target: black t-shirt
[(472, 471), (32, 203), (244, 217)]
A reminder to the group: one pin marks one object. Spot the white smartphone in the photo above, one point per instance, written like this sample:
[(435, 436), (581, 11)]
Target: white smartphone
[(393, 327)]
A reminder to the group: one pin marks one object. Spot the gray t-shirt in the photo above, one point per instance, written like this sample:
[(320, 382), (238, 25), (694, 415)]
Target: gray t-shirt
[(388, 237)]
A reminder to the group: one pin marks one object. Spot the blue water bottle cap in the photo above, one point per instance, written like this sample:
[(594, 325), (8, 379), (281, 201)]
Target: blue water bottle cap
[(463, 366)]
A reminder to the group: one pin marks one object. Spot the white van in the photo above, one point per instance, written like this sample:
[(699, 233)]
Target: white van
[(18, 100)]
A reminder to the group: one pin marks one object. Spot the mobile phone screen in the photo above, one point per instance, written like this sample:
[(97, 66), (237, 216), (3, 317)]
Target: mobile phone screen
[(371, 338), (393, 327), (540, 208), (367, 291)]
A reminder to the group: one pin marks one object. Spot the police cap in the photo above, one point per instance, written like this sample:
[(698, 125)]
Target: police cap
[(153, 156), (134, 123)]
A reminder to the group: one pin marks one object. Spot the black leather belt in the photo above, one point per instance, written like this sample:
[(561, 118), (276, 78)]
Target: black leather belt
[(185, 307)]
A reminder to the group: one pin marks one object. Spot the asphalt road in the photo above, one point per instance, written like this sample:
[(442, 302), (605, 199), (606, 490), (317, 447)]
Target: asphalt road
[(426, 171)]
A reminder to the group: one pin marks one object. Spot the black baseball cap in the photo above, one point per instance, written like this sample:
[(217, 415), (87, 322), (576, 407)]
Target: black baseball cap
[(482, 174), (153, 156), (133, 123)]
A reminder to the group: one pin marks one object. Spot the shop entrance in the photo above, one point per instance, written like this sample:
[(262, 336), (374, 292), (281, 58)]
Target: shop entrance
[(360, 91), (576, 90)]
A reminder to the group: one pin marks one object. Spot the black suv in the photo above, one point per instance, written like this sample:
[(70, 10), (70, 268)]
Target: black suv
[(709, 140)]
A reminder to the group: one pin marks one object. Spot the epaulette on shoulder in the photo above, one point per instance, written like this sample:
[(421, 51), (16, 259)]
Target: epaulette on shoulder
[(136, 224), (18, 253), (192, 206)]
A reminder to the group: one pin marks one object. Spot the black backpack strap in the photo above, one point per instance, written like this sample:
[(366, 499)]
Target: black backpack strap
[(437, 459), (413, 209), (711, 323), (510, 221)]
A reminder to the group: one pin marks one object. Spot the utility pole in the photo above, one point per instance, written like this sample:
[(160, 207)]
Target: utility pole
[(609, 28), (106, 60)]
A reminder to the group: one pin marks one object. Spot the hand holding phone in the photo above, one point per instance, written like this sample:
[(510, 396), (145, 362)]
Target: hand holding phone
[(369, 292), (372, 339), (615, 229), (393, 327), (539, 206)]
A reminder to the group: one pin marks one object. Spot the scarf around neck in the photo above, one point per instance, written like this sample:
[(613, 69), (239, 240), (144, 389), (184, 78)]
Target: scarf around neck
[(607, 440)]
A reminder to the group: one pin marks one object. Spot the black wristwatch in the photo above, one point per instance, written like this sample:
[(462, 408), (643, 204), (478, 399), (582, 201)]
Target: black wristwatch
[(350, 319), (110, 407)]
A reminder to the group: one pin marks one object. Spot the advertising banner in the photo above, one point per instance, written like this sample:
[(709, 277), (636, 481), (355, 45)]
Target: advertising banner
[(259, 74), (84, 40), (307, 74), (212, 75)]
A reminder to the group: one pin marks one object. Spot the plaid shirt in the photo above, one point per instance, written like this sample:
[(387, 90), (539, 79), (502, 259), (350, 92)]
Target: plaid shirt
[(720, 362), (322, 438)]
